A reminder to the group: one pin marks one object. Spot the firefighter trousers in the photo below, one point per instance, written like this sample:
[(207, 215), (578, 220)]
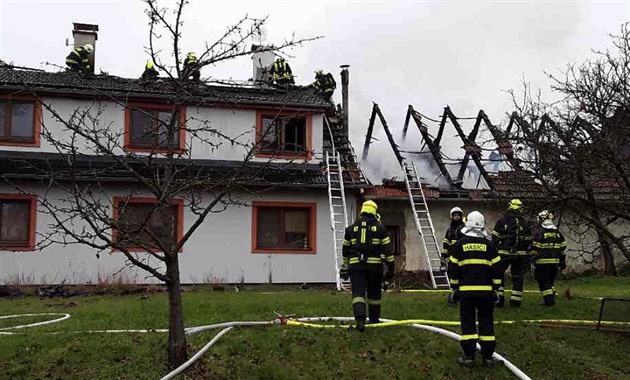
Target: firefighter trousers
[(471, 310), (518, 267), (546, 275), (366, 282)]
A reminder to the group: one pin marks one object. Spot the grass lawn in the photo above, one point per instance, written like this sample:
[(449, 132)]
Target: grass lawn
[(290, 352)]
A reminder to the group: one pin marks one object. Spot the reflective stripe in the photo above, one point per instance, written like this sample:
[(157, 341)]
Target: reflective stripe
[(547, 292), (353, 241), (454, 281), (346, 242), (496, 281), (521, 252), (386, 240), (495, 233), (504, 252), (475, 262), (496, 260), (345, 260), (390, 258), (469, 337), (445, 240), (517, 292), (374, 260), (548, 261), (474, 247), (358, 300), (362, 235), (454, 260), (472, 288), (376, 241), (487, 338), (373, 302), (444, 250), (354, 260)]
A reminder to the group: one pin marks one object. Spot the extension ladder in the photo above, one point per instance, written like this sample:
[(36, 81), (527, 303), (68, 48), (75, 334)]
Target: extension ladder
[(422, 218), (338, 211)]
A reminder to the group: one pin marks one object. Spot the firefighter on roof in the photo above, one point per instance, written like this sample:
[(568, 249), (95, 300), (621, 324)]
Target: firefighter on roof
[(150, 73), (364, 242), (453, 233), (78, 59), (548, 246), (512, 237), (281, 72), (191, 67), (475, 277)]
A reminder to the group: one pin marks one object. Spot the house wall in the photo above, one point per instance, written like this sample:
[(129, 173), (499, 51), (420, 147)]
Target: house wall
[(236, 123), (580, 242), (219, 251)]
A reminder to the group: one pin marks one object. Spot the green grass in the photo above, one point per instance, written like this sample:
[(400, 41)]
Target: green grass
[(289, 352)]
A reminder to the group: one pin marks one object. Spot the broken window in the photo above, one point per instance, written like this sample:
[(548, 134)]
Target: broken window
[(283, 134), (284, 228), (151, 129), (142, 225), (15, 222), (17, 121)]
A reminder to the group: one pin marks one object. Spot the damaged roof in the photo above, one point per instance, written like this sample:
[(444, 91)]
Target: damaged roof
[(71, 83)]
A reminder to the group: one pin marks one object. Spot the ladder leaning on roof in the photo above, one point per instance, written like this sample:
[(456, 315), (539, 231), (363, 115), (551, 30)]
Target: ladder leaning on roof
[(422, 218), (338, 211)]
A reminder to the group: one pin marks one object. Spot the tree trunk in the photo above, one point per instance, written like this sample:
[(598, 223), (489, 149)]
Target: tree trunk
[(607, 254), (177, 348)]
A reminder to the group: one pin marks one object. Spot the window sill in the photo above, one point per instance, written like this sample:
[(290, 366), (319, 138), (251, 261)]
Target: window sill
[(307, 156), (153, 150), (34, 144), (284, 251), (20, 249)]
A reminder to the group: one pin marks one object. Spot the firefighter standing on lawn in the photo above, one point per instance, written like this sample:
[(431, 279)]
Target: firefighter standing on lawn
[(364, 242), (512, 237), (548, 245), (475, 276), (456, 216)]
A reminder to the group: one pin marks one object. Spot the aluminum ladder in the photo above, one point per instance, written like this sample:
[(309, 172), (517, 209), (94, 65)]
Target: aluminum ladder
[(338, 211), (424, 224)]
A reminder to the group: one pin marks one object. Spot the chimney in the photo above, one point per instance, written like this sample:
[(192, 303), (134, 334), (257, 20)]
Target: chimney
[(263, 61), (345, 80), (85, 34)]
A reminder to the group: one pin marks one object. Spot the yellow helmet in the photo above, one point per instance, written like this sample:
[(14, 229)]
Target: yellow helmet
[(369, 207), (515, 204), (149, 65)]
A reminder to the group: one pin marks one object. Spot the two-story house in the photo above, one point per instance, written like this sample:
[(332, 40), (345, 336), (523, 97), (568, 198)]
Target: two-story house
[(276, 230)]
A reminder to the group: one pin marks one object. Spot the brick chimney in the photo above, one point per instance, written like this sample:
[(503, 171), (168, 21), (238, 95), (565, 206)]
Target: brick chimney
[(345, 81), (85, 34)]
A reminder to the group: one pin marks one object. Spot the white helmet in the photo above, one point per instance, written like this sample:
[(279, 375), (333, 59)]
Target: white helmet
[(475, 220), (88, 47), (544, 214), (454, 210)]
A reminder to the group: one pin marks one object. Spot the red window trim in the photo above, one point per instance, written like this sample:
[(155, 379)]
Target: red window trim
[(154, 107), (37, 121), (32, 223), (312, 233), (285, 155), (175, 202)]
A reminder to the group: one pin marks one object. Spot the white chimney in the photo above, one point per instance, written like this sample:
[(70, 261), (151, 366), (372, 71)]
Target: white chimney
[(263, 61), (85, 34)]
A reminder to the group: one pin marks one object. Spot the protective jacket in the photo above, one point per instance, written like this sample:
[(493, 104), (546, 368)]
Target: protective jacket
[(364, 242), (473, 269), (512, 235), (78, 59), (548, 245), (453, 233)]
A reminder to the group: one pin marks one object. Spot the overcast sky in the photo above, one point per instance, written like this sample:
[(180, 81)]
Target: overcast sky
[(425, 53)]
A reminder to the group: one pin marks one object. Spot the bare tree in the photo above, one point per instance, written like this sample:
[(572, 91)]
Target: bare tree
[(91, 158), (576, 148)]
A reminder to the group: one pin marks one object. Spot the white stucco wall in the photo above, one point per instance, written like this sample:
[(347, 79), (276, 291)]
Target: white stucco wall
[(236, 123), (219, 251)]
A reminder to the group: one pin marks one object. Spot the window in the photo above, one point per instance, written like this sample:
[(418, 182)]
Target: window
[(19, 122), (139, 219), (17, 222), (284, 135), (284, 227), (147, 129)]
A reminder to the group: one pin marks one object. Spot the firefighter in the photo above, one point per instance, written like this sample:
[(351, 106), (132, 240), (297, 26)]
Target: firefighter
[(475, 278), (150, 73), (456, 215), (78, 59), (512, 237), (281, 72), (364, 242), (548, 245), (191, 67), (325, 84)]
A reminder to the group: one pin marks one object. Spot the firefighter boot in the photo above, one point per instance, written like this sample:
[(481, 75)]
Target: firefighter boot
[(375, 313), (360, 325), (549, 300), (490, 362), (467, 361), (500, 301)]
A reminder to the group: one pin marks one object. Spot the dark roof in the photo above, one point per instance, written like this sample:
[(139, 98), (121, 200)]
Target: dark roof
[(39, 165), (70, 83)]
